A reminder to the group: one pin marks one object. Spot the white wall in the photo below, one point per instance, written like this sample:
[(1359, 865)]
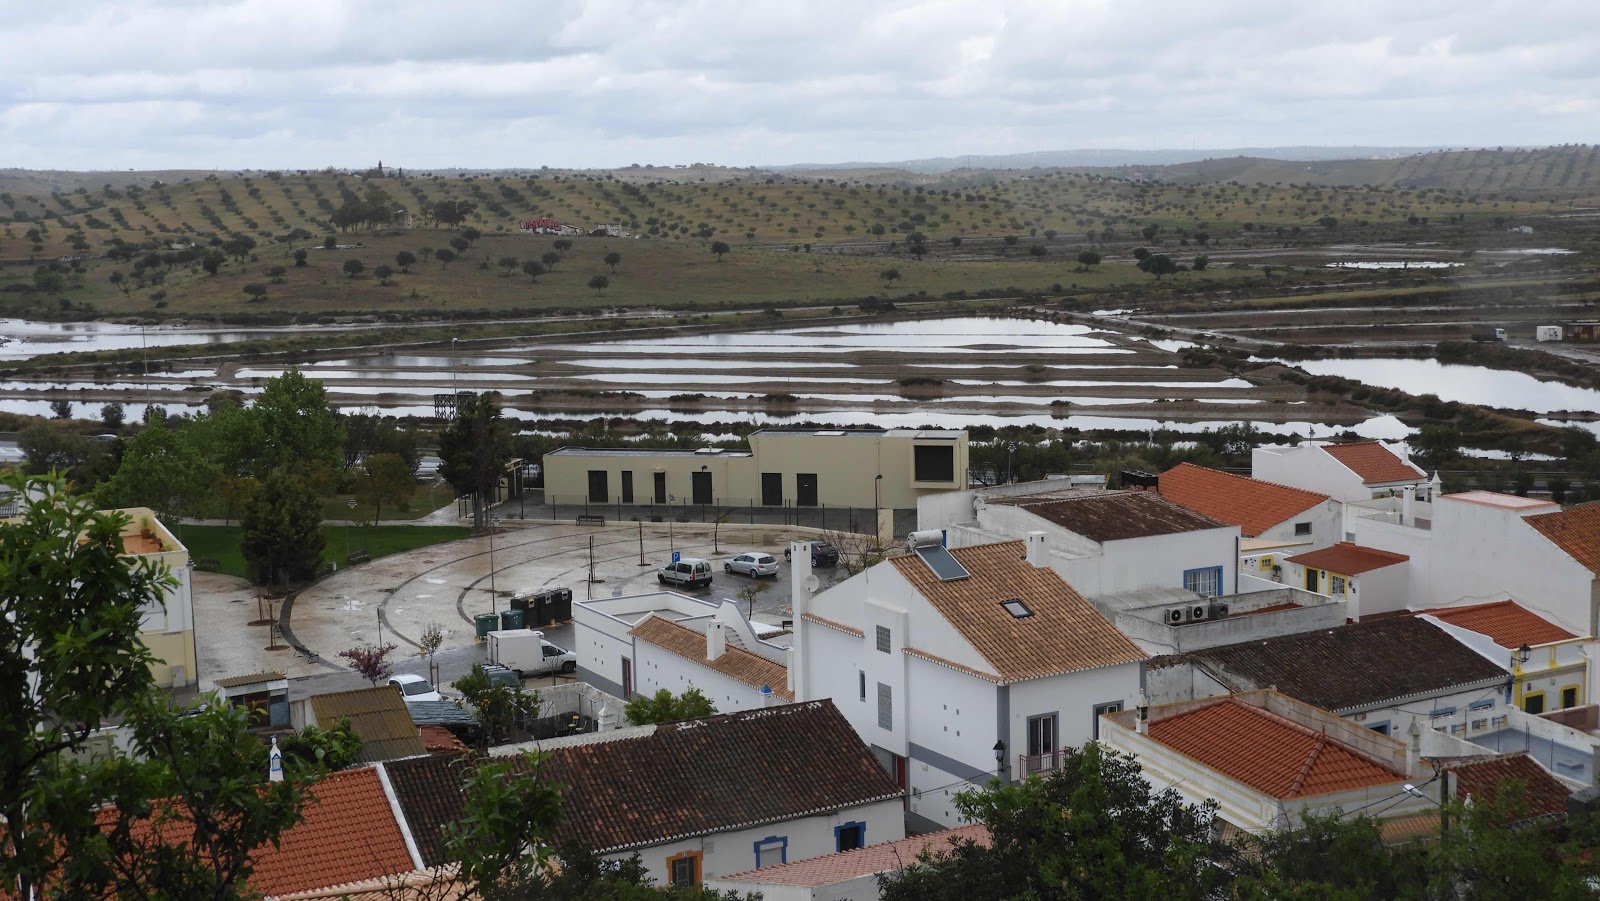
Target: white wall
[(1489, 552), (1414, 543), (655, 668), (1326, 521), (1310, 468), (601, 641), (1073, 696), (734, 852)]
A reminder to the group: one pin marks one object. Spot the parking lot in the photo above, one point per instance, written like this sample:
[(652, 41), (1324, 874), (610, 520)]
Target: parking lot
[(449, 584)]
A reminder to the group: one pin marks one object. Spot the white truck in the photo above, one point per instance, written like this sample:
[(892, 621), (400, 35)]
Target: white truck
[(526, 652)]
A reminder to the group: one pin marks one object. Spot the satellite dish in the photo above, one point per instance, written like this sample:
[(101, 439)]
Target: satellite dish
[(812, 583)]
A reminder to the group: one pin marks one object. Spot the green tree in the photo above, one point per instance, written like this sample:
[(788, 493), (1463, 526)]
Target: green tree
[(502, 839), (385, 478), (889, 276), (315, 751), (664, 707), (474, 449), (113, 415), (371, 661), (405, 259), (599, 283), (354, 267), (533, 269), (499, 706), (1087, 259), (445, 256), (1438, 443), (383, 272), (282, 541), (1038, 251), (613, 259), (508, 264), (297, 427), (550, 258), (1158, 264), (719, 248), (300, 256), (61, 408), (162, 471), (1200, 263), (1092, 829), (562, 245), (255, 291), (1331, 856), (48, 446)]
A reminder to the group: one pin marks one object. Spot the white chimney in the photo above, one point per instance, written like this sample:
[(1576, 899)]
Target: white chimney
[(275, 762), (1141, 714), (800, 581), (608, 719), (716, 641), (1408, 499), (1037, 553), (769, 698), (788, 654)]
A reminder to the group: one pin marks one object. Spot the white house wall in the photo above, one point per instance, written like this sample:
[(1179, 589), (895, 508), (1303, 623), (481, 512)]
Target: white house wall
[(1159, 561), (601, 642), (1310, 468), (1418, 544), (655, 669), (1487, 553), (1326, 520), (734, 852)]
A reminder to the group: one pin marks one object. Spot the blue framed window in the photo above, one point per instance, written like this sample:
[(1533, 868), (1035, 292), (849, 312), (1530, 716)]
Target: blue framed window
[(1205, 581), (1484, 704), (1380, 728), (850, 836), (772, 850), (1443, 711)]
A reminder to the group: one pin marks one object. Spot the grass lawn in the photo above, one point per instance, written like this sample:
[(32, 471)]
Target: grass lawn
[(429, 497), (221, 543)]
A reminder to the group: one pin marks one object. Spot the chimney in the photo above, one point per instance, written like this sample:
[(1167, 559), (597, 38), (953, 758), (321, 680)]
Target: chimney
[(769, 698), (1408, 499), (1037, 555), (788, 654), (1141, 714), (716, 641), (275, 762), (801, 583), (607, 720)]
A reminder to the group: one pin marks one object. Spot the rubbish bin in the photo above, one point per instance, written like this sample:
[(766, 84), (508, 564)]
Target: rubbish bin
[(511, 619), (486, 623), (522, 603)]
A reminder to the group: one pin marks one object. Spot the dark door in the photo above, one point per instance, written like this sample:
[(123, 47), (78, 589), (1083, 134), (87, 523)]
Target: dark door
[(627, 486), (1313, 582), (772, 489), (701, 483), (1533, 703), (599, 487), (805, 489), (661, 487), (627, 678)]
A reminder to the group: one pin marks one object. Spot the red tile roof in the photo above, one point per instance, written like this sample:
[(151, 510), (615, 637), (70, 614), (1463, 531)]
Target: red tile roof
[(880, 858), (1064, 634), (1272, 755), (1374, 463), (1251, 504), (1484, 778), (1507, 623), (1348, 559), (736, 663), (1575, 530), (1113, 515), (347, 833)]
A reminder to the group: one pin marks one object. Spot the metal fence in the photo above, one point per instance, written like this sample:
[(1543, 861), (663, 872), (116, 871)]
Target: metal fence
[(731, 511)]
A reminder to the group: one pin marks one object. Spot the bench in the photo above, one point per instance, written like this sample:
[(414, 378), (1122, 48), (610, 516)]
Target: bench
[(591, 519), (357, 557)]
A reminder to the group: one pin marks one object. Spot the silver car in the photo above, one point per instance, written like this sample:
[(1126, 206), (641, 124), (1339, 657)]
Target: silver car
[(754, 564)]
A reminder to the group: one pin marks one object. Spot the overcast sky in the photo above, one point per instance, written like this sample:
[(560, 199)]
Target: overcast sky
[(482, 83)]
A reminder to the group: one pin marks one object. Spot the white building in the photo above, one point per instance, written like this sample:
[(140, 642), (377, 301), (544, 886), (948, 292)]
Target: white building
[(1353, 472), (958, 664), (642, 643), (1548, 665), (1369, 580), (847, 875), (1478, 546), (1263, 511), (1102, 542)]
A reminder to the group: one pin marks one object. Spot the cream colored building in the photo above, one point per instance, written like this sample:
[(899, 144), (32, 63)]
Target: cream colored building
[(167, 630), (869, 468)]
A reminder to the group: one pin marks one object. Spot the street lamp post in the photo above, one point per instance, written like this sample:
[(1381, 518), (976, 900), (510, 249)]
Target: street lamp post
[(1000, 758), (350, 503), (454, 364), (1011, 448), (493, 605)]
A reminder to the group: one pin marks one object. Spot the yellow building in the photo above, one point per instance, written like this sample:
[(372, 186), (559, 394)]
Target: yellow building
[(885, 469), (168, 631)]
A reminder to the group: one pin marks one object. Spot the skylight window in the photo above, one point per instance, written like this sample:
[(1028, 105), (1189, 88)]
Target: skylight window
[(1016, 608)]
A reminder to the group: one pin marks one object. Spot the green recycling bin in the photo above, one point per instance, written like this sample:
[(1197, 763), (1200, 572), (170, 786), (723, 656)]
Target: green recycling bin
[(511, 619), (486, 623)]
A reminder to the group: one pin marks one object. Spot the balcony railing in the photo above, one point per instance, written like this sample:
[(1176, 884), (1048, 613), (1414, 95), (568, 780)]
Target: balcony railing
[(1039, 764)]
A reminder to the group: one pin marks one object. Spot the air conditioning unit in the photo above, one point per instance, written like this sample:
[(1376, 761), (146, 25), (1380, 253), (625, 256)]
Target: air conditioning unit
[(1198, 613), (1218, 610), (1177, 616)]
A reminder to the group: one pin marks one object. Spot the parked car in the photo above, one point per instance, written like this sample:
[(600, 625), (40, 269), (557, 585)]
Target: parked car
[(754, 564), (415, 688), (822, 554), (525, 652), (502, 675), (688, 572)]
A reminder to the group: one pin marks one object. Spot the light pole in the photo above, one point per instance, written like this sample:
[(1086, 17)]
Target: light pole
[(350, 503), (1011, 448), (493, 606), (454, 363), (1000, 758), (877, 507)]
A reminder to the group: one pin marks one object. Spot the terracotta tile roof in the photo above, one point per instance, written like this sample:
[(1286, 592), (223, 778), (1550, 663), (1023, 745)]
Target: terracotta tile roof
[(1575, 530), (1507, 623), (1483, 778), (347, 833), (1252, 505), (441, 741), (1113, 515), (378, 715), (1272, 755), (1373, 462), (1065, 634), (429, 791), (1398, 658), (880, 858), (750, 668), (716, 774), (252, 679), (418, 885), (1347, 559)]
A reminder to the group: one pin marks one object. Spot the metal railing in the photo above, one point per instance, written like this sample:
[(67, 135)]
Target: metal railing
[(733, 511), (1035, 764)]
